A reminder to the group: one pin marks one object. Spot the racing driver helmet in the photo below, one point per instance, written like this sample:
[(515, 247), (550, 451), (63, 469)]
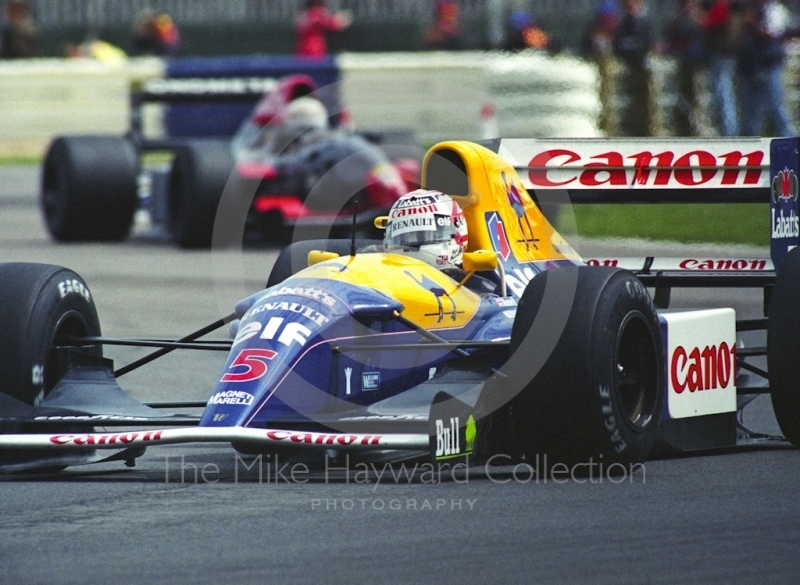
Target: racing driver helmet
[(306, 113), (429, 226)]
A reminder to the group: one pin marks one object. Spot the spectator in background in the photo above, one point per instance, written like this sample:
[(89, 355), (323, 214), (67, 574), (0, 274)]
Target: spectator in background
[(95, 48), (632, 44), (524, 33), (157, 34), (760, 62), (684, 41), (722, 28), (313, 24), (445, 32), (20, 37), (598, 46)]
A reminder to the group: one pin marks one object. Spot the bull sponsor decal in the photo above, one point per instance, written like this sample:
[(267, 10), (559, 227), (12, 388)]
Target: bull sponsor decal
[(449, 440)]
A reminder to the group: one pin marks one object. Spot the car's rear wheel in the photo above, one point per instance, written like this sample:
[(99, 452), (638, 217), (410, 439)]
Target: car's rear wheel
[(783, 347), (294, 257), (89, 188), (598, 395), (198, 177), (40, 307)]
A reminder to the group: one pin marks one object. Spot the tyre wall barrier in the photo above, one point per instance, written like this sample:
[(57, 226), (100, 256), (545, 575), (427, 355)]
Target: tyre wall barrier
[(437, 95)]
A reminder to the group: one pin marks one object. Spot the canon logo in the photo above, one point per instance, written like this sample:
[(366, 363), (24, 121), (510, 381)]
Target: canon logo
[(741, 264), (323, 439), (703, 370), (106, 439), (687, 169)]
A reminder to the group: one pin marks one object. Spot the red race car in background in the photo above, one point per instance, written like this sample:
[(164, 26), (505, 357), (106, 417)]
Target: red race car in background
[(292, 161)]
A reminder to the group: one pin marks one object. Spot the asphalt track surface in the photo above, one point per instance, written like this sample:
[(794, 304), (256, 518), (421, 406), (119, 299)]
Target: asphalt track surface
[(730, 517)]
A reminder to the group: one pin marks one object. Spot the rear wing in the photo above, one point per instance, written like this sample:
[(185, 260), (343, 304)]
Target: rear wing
[(708, 170), (246, 91)]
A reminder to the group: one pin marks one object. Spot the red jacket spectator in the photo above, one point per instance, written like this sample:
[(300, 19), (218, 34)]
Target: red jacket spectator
[(312, 25)]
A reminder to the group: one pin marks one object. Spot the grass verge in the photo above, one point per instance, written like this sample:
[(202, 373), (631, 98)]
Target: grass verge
[(745, 223)]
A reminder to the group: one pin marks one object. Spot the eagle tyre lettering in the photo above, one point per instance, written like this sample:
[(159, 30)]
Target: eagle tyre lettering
[(253, 360), (598, 396), (36, 314), (783, 345)]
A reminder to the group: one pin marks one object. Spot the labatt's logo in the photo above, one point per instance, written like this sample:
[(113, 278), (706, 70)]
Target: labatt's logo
[(785, 188), (785, 226), (689, 169), (707, 369)]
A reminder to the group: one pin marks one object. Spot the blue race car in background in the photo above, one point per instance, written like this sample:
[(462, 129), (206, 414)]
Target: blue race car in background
[(292, 161)]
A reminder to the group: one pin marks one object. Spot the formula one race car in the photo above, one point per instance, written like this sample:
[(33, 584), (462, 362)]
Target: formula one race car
[(521, 350), (287, 158)]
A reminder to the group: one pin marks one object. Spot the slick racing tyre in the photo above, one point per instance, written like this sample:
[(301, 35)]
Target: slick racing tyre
[(599, 394), (294, 257), (783, 347), (89, 188), (40, 306), (198, 177)]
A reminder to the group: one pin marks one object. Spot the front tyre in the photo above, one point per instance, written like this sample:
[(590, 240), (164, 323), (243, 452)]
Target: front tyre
[(598, 396), (40, 307)]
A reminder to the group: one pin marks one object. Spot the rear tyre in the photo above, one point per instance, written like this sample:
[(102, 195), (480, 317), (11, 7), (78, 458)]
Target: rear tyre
[(40, 306), (783, 347), (294, 257), (599, 394), (89, 188), (198, 177)]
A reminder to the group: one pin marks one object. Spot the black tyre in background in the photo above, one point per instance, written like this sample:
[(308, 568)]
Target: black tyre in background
[(294, 257), (200, 171), (89, 188)]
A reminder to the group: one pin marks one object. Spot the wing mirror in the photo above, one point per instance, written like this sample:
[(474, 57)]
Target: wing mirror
[(480, 260), (381, 221), (317, 256)]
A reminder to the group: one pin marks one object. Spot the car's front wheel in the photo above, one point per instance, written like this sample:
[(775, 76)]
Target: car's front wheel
[(598, 395)]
